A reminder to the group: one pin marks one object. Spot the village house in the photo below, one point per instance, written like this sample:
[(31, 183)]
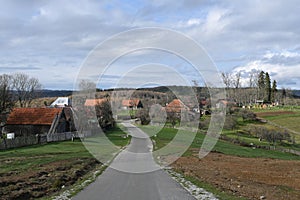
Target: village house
[(176, 106), (32, 121), (131, 104), (61, 102), (93, 102)]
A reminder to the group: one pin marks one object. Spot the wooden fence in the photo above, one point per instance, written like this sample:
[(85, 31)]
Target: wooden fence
[(35, 139)]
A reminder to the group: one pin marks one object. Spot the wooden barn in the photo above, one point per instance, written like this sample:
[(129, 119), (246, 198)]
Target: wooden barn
[(32, 121)]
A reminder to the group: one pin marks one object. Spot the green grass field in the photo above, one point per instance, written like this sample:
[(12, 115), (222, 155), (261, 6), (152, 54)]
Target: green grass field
[(289, 121), (167, 134), (231, 149), (284, 118), (25, 166), (117, 136), (64, 163), (104, 147), (31, 157)]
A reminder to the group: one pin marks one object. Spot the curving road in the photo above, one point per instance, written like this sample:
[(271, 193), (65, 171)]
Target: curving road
[(133, 175)]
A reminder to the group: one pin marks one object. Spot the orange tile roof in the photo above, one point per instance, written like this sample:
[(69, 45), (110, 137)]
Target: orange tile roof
[(176, 106), (130, 102), (32, 116), (93, 102)]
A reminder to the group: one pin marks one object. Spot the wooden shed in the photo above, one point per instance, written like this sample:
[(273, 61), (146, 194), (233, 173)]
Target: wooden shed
[(32, 121)]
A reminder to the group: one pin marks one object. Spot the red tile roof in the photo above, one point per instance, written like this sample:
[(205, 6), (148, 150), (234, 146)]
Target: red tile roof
[(130, 102), (176, 106), (32, 116), (93, 102)]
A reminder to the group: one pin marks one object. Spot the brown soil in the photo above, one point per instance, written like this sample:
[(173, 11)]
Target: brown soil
[(247, 177), (45, 180), (274, 113)]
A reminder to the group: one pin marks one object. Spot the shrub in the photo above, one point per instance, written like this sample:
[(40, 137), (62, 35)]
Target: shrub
[(230, 122), (270, 135), (247, 115), (204, 123)]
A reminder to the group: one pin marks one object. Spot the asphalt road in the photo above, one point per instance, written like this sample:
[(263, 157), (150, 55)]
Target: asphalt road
[(133, 175)]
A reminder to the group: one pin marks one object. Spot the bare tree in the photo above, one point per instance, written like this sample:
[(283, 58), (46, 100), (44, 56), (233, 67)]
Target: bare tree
[(253, 79), (253, 85), (26, 88), (86, 85), (226, 79), (237, 80), (88, 88), (105, 115), (6, 101)]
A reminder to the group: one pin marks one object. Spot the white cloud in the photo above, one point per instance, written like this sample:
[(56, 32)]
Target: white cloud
[(286, 75), (216, 21), (194, 21), (189, 23), (286, 54)]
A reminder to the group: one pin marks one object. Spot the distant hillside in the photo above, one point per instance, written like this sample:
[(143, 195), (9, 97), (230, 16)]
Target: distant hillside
[(296, 93), (55, 93), (163, 89)]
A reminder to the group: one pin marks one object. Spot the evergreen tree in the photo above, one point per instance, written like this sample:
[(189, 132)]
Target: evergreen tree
[(261, 84), (267, 87), (274, 91)]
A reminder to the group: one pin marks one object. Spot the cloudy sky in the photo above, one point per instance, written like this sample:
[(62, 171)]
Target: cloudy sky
[(50, 40)]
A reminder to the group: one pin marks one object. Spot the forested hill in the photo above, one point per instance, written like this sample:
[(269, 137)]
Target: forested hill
[(162, 89), (55, 93), (296, 93)]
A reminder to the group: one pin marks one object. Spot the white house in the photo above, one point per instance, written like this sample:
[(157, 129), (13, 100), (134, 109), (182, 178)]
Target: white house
[(61, 102)]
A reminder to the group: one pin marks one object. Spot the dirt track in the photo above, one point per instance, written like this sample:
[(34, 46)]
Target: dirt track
[(274, 113), (247, 177)]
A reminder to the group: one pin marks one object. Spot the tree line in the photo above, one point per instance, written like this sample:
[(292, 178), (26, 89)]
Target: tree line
[(266, 91), (18, 88), (258, 86)]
